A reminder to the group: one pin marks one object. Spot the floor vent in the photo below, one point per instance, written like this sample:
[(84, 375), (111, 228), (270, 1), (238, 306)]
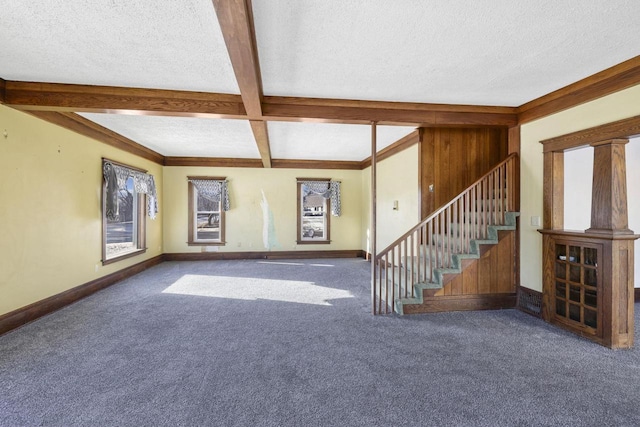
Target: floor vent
[(530, 301)]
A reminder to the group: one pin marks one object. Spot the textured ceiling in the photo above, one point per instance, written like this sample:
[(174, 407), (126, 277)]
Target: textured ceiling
[(133, 43), (325, 141), (488, 52), (185, 137)]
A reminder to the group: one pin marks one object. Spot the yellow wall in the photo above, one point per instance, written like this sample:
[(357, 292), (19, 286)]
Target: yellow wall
[(50, 218), (397, 179), (244, 222), (614, 107), (50, 187)]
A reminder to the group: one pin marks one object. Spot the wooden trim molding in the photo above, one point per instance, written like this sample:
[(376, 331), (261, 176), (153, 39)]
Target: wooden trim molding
[(462, 303), (625, 128), (3, 85), (86, 127), (257, 163), (46, 306), (125, 256), (212, 256), (398, 146), (315, 164), (222, 162), (614, 79)]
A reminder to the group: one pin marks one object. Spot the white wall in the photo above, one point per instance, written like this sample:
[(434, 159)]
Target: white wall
[(620, 105)]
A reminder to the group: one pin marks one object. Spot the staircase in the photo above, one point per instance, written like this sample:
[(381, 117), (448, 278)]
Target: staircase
[(418, 265)]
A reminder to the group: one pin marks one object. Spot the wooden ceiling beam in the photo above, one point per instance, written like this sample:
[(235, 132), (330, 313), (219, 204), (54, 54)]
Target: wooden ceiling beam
[(30, 96), (385, 113), (261, 135), (236, 21)]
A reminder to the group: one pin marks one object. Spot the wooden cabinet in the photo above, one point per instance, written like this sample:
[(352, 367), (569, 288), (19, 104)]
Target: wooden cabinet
[(587, 288)]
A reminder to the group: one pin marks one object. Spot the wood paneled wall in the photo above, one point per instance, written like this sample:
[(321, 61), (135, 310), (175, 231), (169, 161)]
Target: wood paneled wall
[(493, 273), (451, 159)]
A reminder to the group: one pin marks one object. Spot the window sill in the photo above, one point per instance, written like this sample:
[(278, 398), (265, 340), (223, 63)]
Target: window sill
[(124, 256), (313, 242), (206, 243)]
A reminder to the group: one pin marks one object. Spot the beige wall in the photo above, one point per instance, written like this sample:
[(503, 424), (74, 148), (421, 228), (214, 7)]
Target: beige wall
[(244, 222), (50, 218), (397, 179), (614, 107)]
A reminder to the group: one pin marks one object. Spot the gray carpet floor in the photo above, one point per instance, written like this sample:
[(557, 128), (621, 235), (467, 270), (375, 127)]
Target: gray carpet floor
[(248, 343)]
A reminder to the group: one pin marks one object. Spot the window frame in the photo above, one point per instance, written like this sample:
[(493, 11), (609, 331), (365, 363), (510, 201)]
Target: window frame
[(139, 216), (192, 212), (299, 213)]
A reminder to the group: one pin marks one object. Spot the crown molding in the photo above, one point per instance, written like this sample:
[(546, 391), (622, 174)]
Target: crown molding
[(606, 82), (86, 127), (400, 145)]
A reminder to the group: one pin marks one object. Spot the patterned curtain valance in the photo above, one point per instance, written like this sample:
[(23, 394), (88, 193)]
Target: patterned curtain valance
[(116, 176), (213, 189), (326, 189)]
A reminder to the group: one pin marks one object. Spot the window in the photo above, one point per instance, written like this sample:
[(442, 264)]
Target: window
[(123, 212), (208, 200), (313, 211)]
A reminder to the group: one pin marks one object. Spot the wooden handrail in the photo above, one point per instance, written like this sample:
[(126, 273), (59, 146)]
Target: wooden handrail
[(443, 207)]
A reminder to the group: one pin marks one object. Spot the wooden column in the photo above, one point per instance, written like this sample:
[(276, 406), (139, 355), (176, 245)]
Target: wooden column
[(609, 193), (609, 218), (372, 228)]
